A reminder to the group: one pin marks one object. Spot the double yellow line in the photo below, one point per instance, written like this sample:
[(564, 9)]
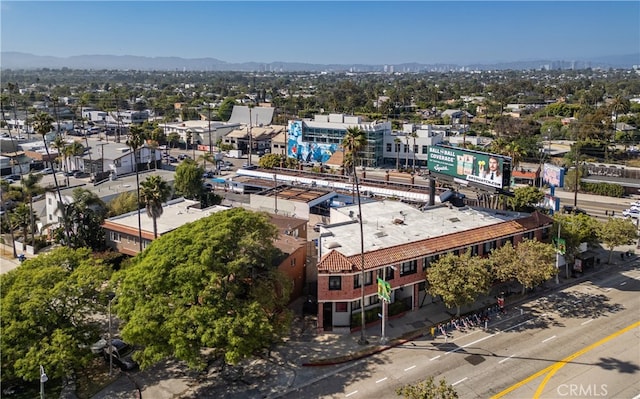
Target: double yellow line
[(551, 370)]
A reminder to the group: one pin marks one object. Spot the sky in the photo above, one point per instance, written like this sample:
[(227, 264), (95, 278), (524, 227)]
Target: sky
[(325, 32)]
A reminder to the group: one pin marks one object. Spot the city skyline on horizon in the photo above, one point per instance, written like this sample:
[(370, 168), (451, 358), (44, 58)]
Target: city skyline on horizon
[(324, 32)]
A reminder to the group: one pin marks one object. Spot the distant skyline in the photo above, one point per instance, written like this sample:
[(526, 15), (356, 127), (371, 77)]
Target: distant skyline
[(324, 32)]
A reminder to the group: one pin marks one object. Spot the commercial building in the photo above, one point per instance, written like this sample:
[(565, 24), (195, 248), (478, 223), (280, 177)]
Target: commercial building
[(400, 241)]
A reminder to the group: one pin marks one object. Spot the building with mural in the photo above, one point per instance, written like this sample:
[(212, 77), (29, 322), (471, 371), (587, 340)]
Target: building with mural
[(317, 139)]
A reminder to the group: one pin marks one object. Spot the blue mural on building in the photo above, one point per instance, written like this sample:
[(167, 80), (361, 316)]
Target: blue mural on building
[(307, 151)]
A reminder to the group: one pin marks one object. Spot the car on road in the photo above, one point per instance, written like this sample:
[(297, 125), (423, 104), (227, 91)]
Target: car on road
[(631, 213), (46, 171), (121, 353), (574, 210), (182, 157)]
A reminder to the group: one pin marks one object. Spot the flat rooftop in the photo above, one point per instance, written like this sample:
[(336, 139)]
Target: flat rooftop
[(175, 213), (390, 223)]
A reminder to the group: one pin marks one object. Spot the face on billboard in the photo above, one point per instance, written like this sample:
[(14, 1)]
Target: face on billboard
[(472, 166)]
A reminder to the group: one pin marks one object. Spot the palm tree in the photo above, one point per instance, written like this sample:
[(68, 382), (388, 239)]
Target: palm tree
[(60, 145), (397, 142), (207, 156), (153, 192), (135, 141), (352, 142), (74, 150), (43, 124), (22, 217), (31, 188), (619, 105)]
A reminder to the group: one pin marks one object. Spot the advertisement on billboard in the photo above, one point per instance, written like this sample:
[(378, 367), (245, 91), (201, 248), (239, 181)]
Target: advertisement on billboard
[(553, 175), (307, 151), (472, 166)]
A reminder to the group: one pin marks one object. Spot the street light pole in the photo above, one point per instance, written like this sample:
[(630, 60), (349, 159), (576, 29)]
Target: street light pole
[(43, 379)]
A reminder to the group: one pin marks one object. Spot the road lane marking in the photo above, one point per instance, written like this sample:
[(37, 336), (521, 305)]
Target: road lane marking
[(586, 322), (351, 393), (434, 358), (548, 339), (506, 358), (458, 382), (409, 368), (379, 381), (623, 283), (564, 361), (487, 337)]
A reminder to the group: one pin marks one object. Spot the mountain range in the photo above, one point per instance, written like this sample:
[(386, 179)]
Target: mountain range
[(18, 60)]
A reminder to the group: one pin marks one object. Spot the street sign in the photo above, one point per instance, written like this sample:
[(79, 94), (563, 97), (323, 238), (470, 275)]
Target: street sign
[(384, 290)]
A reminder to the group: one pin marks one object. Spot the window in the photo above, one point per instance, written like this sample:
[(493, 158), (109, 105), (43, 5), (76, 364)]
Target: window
[(388, 147), (356, 281), (115, 236), (425, 149), (474, 250), (409, 267), (341, 307), (397, 147), (529, 235), (489, 246), (368, 278), (335, 283), (355, 305), (293, 262), (388, 273), (415, 148)]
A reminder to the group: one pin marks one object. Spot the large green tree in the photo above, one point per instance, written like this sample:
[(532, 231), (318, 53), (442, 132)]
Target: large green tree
[(458, 279), (154, 191), (211, 284), (525, 198), (530, 263), (49, 307), (575, 229), (615, 232), (188, 180)]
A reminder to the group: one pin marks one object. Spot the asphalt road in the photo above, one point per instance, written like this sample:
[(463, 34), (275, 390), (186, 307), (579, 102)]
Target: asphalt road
[(572, 343)]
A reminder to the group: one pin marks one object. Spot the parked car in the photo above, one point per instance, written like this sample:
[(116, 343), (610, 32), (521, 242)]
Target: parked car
[(121, 353), (249, 166), (631, 213), (14, 177), (182, 157), (78, 174), (208, 174), (46, 171), (71, 172), (225, 168)]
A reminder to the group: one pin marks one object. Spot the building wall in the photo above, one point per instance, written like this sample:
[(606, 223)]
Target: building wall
[(294, 267)]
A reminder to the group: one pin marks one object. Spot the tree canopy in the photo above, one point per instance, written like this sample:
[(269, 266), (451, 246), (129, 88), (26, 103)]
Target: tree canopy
[(615, 232), (211, 284), (458, 279), (530, 263), (48, 313), (188, 180), (428, 389)]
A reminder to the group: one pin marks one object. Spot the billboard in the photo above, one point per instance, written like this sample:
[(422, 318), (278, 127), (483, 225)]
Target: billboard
[(553, 175), (473, 166), (307, 151)]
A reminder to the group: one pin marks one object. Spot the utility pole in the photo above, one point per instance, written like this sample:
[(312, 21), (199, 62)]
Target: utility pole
[(250, 136), (577, 177)]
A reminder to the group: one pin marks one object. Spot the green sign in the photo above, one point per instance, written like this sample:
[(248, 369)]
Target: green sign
[(384, 290), (472, 166), (561, 246)]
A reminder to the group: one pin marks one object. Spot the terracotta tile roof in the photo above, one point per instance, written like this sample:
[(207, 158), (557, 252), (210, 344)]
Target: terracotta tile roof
[(335, 262)]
